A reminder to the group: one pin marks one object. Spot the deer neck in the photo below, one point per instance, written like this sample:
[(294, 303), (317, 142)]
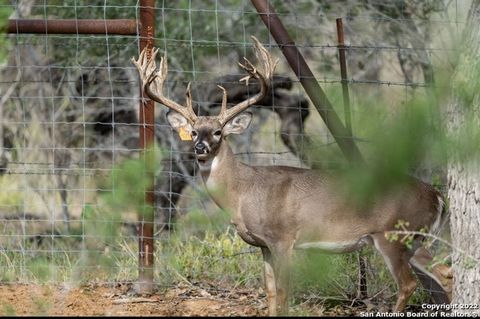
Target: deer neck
[(220, 176)]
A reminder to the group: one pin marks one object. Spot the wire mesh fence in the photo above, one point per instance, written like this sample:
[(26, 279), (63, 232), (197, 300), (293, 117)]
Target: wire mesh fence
[(69, 114)]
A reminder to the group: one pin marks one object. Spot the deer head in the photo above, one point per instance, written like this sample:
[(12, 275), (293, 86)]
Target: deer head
[(207, 132)]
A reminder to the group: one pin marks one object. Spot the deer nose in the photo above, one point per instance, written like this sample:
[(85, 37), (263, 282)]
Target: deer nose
[(200, 148)]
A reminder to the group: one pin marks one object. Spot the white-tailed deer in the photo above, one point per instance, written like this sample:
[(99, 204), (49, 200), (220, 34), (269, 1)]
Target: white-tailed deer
[(279, 208)]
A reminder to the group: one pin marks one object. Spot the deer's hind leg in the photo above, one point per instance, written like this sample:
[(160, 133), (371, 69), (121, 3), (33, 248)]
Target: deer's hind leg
[(437, 279), (396, 256)]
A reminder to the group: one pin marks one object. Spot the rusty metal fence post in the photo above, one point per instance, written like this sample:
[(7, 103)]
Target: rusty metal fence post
[(146, 110), (343, 74), (307, 79), (145, 229), (362, 291), (69, 26)]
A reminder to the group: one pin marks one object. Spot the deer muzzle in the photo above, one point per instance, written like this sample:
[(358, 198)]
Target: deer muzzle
[(201, 148)]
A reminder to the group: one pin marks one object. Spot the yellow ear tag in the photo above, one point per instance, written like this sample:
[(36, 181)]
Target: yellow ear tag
[(184, 135)]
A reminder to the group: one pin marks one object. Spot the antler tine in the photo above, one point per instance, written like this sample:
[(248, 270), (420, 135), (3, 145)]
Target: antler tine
[(152, 82), (144, 65), (264, 76), (189, 102), (224, 100)]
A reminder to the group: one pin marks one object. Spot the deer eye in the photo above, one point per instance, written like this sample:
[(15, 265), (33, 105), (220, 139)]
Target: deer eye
[(194, 133), (217, 133)]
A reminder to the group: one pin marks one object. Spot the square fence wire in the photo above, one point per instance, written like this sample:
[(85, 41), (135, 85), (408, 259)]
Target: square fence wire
[(72, 179)]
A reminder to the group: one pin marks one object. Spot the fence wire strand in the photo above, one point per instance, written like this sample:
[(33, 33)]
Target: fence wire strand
[(69, 107)]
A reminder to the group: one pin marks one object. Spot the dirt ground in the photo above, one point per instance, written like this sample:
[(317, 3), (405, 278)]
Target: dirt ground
[(119, 300)]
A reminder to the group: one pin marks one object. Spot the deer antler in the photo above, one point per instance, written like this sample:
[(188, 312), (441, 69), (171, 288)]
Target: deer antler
[(152, 83), (149, 75), (268, 66)]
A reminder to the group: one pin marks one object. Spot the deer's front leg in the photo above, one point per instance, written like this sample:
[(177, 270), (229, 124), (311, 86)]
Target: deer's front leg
[(282, 259), (270, 285)]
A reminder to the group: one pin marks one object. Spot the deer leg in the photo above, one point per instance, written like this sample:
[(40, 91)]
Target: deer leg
[(270, 285), (396, 256), (282, 278), (438, 279), (283, 285)]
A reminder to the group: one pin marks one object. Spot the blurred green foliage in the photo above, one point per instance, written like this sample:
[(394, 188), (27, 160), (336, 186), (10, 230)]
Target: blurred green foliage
[(464, 135), (124, 192), (418, 133), (394, 152), (8, 310), (128, 183), (41, 306)]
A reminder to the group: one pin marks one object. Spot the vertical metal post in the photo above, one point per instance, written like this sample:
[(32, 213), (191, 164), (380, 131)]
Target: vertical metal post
[(343, 74), (362, 260), (362, 291), (307, 79), (147, 135)]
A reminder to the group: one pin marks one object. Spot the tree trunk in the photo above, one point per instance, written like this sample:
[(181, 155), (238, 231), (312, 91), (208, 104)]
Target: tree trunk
[(464, 197), (464, 175)]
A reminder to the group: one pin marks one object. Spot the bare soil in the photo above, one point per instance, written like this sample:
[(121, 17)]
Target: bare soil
[(119, 300)]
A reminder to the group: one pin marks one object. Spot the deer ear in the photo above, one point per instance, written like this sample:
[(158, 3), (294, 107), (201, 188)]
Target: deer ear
[(238, 124), (178, 121)]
